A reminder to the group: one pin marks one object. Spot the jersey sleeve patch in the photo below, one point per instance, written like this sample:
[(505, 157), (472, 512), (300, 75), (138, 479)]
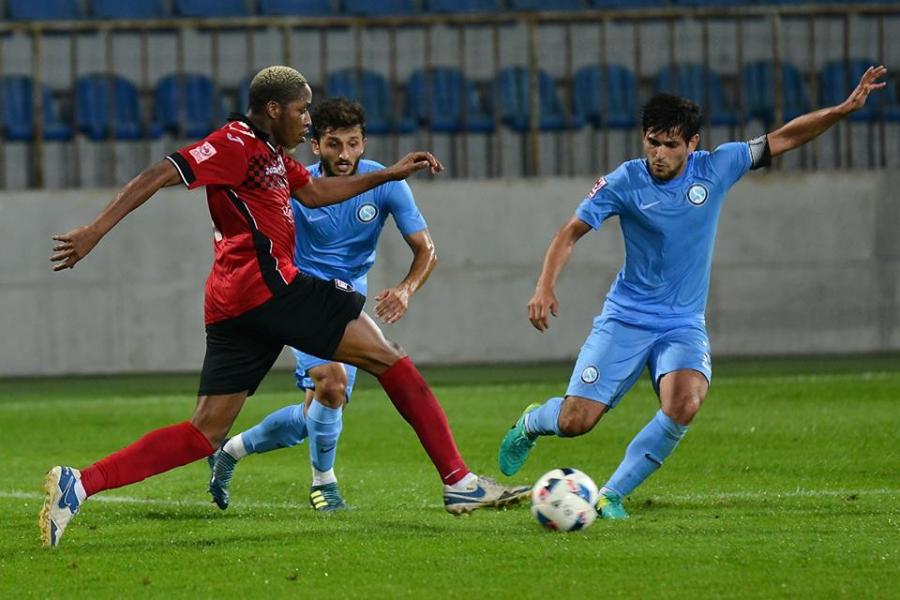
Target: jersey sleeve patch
[(203, 152), (598, 185)]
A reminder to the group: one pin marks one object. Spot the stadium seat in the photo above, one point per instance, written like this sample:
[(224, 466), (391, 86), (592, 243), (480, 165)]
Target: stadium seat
[(201, 102), (95, 97), (512, 90), (311, 8), (447, 86), (838, 79), (374, 93), (18, 111), (544, 5), (211, 8), (44, 10), (608, 95), (758, 86), (628, 3), (128, 9), (381, 8), (461, 6), (690, 81)]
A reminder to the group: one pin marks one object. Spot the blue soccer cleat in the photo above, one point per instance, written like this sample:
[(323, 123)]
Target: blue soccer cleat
[(221, 466), (61, 503), (326, 498), (609, 506), (516, 445), (484, 492)]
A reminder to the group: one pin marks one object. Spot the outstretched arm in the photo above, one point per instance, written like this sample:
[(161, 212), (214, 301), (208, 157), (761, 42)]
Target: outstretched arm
[(76, 244), (323, 191), (544, 303), (393, 302), (806, 127)]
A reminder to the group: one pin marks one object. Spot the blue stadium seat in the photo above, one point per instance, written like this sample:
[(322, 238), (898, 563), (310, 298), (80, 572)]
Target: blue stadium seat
[(758, 86), (609, 94), (512, 92), (544, 5), (447, 86), (709, 3), (461, 6), (94, 114), (128, 9), (211, 8), (201, 102), (690, 81), (379, 8), (311, 8), (243, 94), (44, 10), (628, 3), (837, 80), (18, 111), (374, 93)]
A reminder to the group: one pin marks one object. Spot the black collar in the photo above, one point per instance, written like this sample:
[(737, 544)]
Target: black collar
[(262, 135)]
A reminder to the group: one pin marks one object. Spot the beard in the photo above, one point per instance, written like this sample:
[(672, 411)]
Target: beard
[(329, 172)]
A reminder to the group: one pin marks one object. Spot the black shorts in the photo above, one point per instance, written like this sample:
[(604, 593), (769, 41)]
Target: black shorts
[(310, 315)]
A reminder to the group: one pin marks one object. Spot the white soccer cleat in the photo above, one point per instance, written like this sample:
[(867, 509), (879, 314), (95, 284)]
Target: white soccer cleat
[(482, 493), (61, 503)]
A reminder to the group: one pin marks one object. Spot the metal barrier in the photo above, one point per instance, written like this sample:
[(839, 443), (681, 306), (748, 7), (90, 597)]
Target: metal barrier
[(537, 50)]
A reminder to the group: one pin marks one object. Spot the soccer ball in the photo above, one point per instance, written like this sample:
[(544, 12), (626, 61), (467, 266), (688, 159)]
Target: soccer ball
[(564, 500)]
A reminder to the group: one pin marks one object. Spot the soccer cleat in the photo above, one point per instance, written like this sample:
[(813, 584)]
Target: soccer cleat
[(516, 445), (60, 503), (609, 506), (326, 497), (221, 466), (482, 493)]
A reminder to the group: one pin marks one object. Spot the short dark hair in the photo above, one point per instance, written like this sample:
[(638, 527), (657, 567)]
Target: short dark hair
[(668, 113), (335, 113), (278, 83)]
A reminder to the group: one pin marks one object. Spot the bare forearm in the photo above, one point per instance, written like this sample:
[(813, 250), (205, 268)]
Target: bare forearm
[(134, 194), (558, 255), (422, 265), (325, 191), (804, 128)]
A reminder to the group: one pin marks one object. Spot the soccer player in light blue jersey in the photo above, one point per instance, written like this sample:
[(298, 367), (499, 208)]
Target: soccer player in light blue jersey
[(334, 243), (668, 205)]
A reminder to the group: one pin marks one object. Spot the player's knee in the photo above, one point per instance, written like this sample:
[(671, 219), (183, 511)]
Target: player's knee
[(331, 387), (685, 407)]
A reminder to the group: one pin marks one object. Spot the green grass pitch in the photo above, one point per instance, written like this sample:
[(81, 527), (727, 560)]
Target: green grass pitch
[(787, 486)]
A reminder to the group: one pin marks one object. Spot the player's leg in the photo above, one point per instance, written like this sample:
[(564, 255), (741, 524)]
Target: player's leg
[(232, 369), (333, 384), (609, 363), (364, 345), (681, 371)]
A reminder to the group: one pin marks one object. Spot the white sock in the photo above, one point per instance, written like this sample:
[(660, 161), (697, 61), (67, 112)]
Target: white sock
[(235, 447), (323, 477), (463, 484)]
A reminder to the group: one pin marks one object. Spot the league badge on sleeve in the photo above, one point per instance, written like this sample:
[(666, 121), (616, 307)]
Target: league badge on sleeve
[(697, 194), (204, 151), (598, 185)]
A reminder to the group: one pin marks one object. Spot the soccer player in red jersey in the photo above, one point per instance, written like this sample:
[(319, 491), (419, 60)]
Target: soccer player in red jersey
[(257, 301)]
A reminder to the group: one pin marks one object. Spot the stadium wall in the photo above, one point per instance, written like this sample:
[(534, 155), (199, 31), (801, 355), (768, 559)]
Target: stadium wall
[(805, 263)]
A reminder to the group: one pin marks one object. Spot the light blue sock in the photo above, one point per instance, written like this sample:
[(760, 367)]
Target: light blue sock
[(283, 428), (646, 453), (544, 420), (324, 426)]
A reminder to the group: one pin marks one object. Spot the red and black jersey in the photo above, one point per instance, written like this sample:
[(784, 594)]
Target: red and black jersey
[(248, 187)]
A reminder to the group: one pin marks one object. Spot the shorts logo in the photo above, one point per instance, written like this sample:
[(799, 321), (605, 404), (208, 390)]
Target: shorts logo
[(598, 185), (707, 361), (343, 285), (204, 151), (697, 194), (367, 213), (590, 375)]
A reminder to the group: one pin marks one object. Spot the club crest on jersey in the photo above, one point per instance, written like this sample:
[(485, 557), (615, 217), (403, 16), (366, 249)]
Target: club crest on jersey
[(590, 374), (367, 212), (697, 194), (204, 151), (598, 185)]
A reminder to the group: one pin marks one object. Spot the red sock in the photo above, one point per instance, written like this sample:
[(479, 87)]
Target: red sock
[(416, 403), (157, 452)]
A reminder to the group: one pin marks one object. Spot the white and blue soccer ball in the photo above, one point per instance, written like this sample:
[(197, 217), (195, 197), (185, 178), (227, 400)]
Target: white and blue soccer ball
[(564, 500)]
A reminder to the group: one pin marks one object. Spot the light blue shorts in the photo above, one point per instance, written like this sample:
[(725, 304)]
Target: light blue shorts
[(306, 362), (615, 354)]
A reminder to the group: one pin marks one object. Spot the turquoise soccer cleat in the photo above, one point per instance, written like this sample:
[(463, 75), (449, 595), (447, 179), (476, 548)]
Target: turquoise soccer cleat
[(326, 498), (516, 445), (609, 506), (61, 503)]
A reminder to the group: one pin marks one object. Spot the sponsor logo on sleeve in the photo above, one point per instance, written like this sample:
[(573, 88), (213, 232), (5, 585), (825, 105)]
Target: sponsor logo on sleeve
[(590, 374), (598, 185), (204, 151)]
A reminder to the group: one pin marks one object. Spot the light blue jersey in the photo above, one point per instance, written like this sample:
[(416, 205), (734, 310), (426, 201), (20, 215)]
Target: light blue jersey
[(669, 230), (654, 312), (339, 241)]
